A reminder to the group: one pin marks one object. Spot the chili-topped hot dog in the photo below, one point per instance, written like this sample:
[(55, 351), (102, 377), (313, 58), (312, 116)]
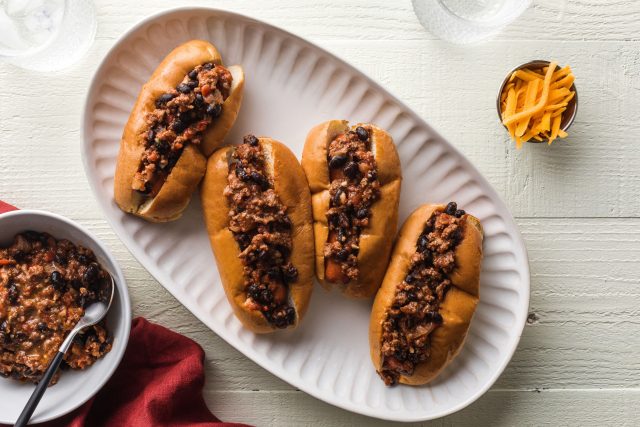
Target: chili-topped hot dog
[(180, 117), (257, 210), (422, 311), (354, 176)]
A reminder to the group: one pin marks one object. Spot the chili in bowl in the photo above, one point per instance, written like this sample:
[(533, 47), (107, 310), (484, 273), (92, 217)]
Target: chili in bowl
[(50, 270)]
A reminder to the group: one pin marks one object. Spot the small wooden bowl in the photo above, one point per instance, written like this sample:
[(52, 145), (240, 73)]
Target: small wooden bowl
[(569, 114)]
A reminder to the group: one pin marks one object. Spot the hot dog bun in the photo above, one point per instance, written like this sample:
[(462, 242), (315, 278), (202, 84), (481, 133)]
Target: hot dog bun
[(459, 302), (291, 187), (175, 194), (375, 240)]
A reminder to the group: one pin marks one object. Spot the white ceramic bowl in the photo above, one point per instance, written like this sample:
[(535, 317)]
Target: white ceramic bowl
[(74, 387)]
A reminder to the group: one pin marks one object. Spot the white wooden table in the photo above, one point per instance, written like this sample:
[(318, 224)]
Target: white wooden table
[(577, 202)]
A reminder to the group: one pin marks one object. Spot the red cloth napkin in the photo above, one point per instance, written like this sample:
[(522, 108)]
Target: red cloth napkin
[(158, 383), (6, 207)]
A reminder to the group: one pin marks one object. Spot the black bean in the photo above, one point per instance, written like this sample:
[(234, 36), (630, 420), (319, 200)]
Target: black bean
[(13, 294), (286, 221), (192, 84), (91, 274), (164, 98), (214, 110), (451, 208), (283, 249), (337, 197), (423, 241), (189, 117), (342, 254), (410, 278), (208, 66), (35, 236), (60, 258), (433, 316), (243, 240), (42, 327), (82, 259), (178, 126), (173, 159), (5, 337), (251, 140), (362, 213), (362, 133), (184, 88), (253, 290), (460, 213), (241, 172), (151, 135), (39, 237), (290, 273), (193, 74), (265, 296), (288, 317), (57, 280), (338, 161), (351, 170), (161, 146), (260, 180), (334, 219), (199, 101)]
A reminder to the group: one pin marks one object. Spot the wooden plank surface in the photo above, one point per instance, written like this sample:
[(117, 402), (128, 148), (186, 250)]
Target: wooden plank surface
[(577, 203), (520, 408)]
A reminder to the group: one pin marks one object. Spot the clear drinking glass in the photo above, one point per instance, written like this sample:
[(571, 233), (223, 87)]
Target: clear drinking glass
[(45, 35), (467, 21)]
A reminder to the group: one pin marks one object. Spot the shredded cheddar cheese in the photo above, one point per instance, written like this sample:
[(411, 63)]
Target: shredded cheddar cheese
[(533, 101)]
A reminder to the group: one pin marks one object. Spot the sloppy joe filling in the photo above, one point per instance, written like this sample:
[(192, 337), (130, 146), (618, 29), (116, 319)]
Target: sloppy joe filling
[(414, 313), (181, 116), (353, 190), (262, 230), (45, 284)]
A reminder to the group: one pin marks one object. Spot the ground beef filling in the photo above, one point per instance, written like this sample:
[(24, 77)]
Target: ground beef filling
[(181, 116), (262, 229), (353, 190), (44, 286), (414, 314)]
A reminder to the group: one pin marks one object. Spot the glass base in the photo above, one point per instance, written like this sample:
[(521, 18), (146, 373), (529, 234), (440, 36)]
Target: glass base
[(467, 21), (71, 41)]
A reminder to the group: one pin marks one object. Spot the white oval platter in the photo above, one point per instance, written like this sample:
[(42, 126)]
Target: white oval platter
[(291, 86)]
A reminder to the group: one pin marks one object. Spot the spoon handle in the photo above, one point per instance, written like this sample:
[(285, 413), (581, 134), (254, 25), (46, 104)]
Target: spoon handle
[(37, 394)]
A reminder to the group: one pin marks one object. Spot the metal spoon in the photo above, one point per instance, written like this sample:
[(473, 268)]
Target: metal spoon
[(92, 315)]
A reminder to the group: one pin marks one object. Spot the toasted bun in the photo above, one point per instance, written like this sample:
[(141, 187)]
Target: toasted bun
[(176, 192), (291, 186), (459, 303), (376, 240)]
